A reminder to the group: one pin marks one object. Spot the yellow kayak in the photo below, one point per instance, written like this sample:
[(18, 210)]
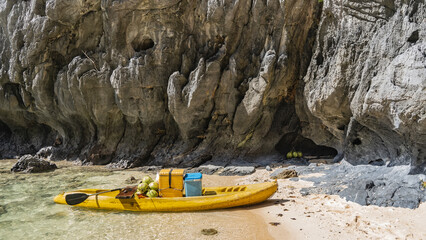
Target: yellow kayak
[(213, 198)]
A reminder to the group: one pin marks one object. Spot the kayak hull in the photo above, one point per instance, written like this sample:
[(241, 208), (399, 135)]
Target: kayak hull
[(225, 197)]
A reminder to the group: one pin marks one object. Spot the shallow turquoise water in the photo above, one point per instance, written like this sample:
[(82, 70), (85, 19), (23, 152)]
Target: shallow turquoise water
[(30, 213)]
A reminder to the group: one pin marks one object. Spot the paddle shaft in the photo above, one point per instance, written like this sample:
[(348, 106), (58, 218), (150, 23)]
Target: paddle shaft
[(112, 190), (76, 198)]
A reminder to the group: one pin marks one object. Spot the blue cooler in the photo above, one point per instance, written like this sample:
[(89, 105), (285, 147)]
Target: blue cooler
[(193, 184)]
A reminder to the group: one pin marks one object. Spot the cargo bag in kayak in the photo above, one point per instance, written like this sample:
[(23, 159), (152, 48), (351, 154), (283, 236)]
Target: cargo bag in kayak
[(171, 182)]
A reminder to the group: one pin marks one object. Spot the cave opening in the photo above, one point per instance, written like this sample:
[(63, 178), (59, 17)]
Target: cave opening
[(5, 137), (296, 142), (143, 45), (5, 132)]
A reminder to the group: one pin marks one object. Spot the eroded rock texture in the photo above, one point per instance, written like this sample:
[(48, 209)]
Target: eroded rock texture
[(366, 83), (184, 82)]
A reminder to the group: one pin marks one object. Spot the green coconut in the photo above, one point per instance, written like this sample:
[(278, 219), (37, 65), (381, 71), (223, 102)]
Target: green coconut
[(299, 154), (147, 180), (152, 194), (289, 155), (153, 186), (142, 187)]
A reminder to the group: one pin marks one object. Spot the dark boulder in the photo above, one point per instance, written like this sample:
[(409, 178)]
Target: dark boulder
[(32, 164)]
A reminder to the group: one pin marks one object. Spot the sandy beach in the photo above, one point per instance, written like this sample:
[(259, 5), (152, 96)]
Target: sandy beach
[(286, 215), (318, 216)]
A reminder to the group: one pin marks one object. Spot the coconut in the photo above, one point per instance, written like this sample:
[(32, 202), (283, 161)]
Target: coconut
[(294, 154), (142, 187), (152, 193), (299, 154), (153, 186), (147, 180), (289, 155)]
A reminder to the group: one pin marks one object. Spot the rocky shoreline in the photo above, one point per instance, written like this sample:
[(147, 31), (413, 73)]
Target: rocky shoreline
[(386, 186), (365, 184)]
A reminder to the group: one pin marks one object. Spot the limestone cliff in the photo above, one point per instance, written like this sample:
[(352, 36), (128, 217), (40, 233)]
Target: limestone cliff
[(179, 82), (367, 82)]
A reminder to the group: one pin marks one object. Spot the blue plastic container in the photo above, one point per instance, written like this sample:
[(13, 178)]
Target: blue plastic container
[(193, 184)]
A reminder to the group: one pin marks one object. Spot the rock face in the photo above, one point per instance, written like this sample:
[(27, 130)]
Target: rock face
[(366, 82), (180, 82), (30, 164)]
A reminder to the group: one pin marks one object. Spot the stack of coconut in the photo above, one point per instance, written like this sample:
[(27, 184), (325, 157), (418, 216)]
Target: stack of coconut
[(294, 154), (148, 187)]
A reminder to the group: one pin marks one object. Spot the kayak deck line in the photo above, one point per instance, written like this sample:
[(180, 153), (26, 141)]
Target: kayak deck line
[(212, 198)]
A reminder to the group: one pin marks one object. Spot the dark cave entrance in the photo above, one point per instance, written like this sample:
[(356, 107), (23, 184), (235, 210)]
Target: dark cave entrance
[(295, 141), (5, 136), (142, 45), (5, 132)]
